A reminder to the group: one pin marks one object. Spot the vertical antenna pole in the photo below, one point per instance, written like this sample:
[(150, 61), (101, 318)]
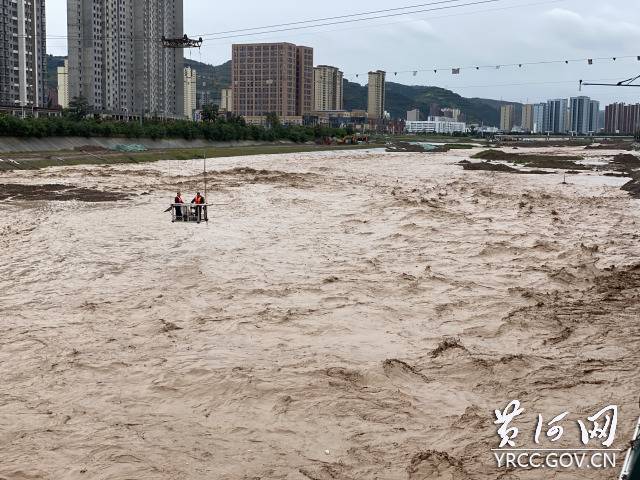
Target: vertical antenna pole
[(204, 157)]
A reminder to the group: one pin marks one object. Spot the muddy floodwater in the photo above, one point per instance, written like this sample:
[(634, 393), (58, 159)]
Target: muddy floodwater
[(349, 315)]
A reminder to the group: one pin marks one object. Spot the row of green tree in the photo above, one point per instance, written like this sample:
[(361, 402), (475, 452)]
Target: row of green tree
[(214, 127)]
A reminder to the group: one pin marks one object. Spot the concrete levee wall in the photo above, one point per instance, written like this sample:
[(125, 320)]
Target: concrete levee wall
[(18, 144)]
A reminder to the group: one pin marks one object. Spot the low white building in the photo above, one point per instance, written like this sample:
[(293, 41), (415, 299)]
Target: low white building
[(488, 130), (436, 126)]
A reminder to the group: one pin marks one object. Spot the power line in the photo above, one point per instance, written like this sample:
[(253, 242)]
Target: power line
[(214, 44), (331, 18), (499, 66), (313, 23), (391, 15), (522, 84)]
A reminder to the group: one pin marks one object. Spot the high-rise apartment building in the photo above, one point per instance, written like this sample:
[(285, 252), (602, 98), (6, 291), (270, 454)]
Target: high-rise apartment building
[(507, 118), (612, 117), (557, 116), (272, 78), (622, 119), (226, 100), (23, 63), (376, 94), (580, 115), (190, 83), (327, 89), (116, 58), (539, 113), (594, 117), (203, 96), (527, 118), (304, 72), (63, 84)]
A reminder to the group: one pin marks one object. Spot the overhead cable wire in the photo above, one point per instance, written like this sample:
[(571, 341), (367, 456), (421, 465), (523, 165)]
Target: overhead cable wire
[(499, 66), (312, 23), (468, 4), (373, 12)]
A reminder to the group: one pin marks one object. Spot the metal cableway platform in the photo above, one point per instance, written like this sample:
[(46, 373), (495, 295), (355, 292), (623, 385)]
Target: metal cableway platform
[(189, 212)]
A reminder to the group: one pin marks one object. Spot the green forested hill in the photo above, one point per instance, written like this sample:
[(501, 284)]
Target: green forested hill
[(400, 98), (52, 71), (211, 78)]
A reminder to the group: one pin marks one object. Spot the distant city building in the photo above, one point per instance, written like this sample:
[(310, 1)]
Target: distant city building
[(272, 78), (439, 126), (538, 114), (203, 96), (328, 88), (581, 116), (527, 118), (263, 120), (52, 98), (226, 100), (613, 115), (190, 82), (341, 119), (63, 84), (439, 118), (507, 118), (376, 94), (594, 117), (601, 120), (556, 116), (116, 60), (414, 115), (23, 63), (488, 130), (37, 112), (622, 119), (452, 113)]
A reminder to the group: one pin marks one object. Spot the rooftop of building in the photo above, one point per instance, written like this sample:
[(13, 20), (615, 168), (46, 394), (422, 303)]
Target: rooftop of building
[(264, 44)]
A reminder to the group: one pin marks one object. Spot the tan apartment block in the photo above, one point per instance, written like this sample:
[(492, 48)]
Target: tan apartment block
[(190, 81), (507, 118), (272, 78), (226, 100), (327, 88), (527, 118), (63, 84), (377, 94)]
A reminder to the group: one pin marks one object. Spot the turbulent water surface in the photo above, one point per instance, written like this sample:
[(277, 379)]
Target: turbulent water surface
[(352, 315)]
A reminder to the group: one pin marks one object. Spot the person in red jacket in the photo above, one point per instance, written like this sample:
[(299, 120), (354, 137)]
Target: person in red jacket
[(178, 199), (198, 200)]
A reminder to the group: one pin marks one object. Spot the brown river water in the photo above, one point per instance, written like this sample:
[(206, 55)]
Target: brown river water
[(343, 315)]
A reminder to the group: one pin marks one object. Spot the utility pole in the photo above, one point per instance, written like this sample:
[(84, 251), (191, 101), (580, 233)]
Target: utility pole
[(204, 158)]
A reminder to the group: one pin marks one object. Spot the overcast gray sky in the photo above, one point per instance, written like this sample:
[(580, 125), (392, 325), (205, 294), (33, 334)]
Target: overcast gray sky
[(504, 32)]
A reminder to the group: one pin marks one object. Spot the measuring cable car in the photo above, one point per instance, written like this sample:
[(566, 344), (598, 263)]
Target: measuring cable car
[(195, 212)]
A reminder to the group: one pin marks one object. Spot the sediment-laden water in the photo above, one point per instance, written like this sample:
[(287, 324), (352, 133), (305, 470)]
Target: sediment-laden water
[(352, 315)]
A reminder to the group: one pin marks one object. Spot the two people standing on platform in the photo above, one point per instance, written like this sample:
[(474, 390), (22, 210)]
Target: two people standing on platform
[(198, 202)]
